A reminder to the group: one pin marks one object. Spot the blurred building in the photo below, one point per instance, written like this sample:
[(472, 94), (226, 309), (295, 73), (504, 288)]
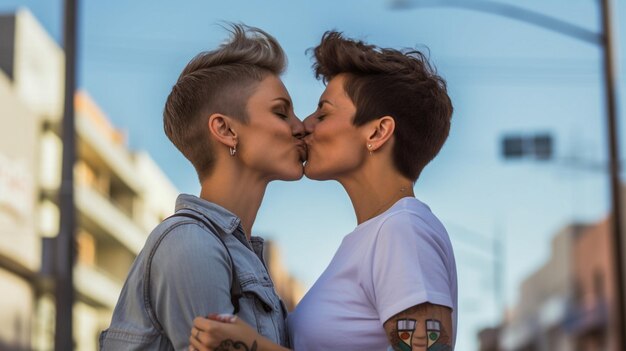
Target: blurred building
[(589, 321), (288, 287), (566, 304), (31, 68), (120, 195), (489, 339), (535, 323)]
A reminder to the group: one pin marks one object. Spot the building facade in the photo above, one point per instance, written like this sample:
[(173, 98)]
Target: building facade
[(590, 319), (120, 195), (568, 303)]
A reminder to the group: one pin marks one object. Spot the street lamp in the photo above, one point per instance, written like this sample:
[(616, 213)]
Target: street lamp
[(604, 40)]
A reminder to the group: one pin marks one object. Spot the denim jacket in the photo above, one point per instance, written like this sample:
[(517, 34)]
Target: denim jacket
[(184, 272)]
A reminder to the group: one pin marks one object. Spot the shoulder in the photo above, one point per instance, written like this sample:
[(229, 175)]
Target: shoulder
[(186, 230), (184, 240), (412, 208), (409, 221), (412, 224)]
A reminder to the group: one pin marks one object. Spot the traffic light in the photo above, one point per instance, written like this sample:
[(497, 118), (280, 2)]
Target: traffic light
[(538, 146)]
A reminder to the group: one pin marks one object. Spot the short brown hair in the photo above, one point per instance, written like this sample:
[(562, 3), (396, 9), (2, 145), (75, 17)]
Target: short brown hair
[(218, 81), (388, 82)]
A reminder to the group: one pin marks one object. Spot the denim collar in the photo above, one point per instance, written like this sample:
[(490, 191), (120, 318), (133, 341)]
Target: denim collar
[(222, 217)]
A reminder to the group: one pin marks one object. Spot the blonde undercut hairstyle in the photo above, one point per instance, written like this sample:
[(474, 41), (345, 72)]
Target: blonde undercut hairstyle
[(218, 81)]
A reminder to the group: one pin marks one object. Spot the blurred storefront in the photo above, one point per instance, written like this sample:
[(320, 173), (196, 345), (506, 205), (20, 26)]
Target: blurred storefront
[(567, 304), (120, 196)]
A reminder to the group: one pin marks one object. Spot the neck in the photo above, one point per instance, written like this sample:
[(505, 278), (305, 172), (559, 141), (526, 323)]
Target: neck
[(374, 191), (236, 190)]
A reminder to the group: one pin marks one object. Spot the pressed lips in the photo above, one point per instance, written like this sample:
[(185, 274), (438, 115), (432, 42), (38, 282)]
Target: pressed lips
[(303, 151)]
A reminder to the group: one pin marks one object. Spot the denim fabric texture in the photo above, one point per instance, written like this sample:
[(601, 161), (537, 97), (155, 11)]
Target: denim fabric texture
[(184, 272)]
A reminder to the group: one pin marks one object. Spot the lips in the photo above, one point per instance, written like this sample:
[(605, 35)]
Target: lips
[(303, 152)]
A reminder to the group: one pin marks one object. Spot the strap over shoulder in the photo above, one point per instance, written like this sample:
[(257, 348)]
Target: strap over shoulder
[(235, 288)]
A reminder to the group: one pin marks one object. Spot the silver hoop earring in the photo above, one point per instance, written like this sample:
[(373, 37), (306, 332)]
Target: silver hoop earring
[(233, 150)]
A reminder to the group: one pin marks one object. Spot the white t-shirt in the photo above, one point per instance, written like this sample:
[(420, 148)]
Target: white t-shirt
[(396, 260)]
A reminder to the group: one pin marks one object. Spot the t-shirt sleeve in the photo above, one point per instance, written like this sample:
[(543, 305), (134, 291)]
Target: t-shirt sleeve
[(409, 266), (190, 277)]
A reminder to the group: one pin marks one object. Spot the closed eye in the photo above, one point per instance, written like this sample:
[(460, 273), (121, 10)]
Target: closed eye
[(281, 115)]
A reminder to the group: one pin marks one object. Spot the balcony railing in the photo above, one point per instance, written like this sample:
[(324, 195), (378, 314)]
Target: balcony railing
[(96, 286), (115, 156), (110, 218)]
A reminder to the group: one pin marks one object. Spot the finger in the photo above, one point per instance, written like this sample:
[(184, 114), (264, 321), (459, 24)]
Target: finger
[(194, 332), (208, 325), (204, 337), (197, 345), (224, 317), (202, 323), (229, 318)]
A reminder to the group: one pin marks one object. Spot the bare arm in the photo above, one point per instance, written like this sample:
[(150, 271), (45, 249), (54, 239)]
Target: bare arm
[(227, 332), (424, 327)]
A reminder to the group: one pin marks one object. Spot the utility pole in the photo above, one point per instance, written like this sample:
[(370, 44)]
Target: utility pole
[(65, 243), (614, 168)]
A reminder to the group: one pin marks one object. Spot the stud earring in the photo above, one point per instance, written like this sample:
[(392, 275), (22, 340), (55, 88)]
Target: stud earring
[(369, 146)]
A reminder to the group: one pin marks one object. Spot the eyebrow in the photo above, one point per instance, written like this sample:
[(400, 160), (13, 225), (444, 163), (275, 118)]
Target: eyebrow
[(285, 100), (322, 102)]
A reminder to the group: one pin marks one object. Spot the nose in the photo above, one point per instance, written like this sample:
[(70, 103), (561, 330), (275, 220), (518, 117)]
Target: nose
[(297, 128), (309, 123)]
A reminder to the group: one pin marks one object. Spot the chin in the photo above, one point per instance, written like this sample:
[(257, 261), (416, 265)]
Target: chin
[(311, 173), (294, 174), (294, 177)]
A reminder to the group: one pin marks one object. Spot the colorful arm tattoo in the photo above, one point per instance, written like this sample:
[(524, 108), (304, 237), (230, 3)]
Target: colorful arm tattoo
[(420, 328), (229, 345)]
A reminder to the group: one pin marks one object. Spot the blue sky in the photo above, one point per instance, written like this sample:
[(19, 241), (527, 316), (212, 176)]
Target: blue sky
[(503, 75)]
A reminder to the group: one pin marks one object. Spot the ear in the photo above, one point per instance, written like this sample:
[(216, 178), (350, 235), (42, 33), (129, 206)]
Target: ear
[(380, 131), (222, 129)]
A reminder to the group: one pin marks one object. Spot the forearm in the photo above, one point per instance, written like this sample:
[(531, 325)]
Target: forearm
[(227, 332), (257, 344)]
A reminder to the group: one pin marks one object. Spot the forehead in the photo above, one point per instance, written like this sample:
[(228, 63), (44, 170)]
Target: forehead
[(270, 88), (335, 88)]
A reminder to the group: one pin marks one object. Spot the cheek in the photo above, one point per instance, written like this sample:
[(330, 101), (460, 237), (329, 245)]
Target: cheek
[(328, 138), (269, 139), (271, 150), (338, 142), (334, 153)]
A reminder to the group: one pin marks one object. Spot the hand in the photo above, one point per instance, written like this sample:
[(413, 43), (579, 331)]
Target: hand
[(222, 332)]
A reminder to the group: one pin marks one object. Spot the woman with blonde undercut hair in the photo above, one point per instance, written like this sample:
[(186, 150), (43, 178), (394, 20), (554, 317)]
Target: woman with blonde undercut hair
[(231, 116)]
